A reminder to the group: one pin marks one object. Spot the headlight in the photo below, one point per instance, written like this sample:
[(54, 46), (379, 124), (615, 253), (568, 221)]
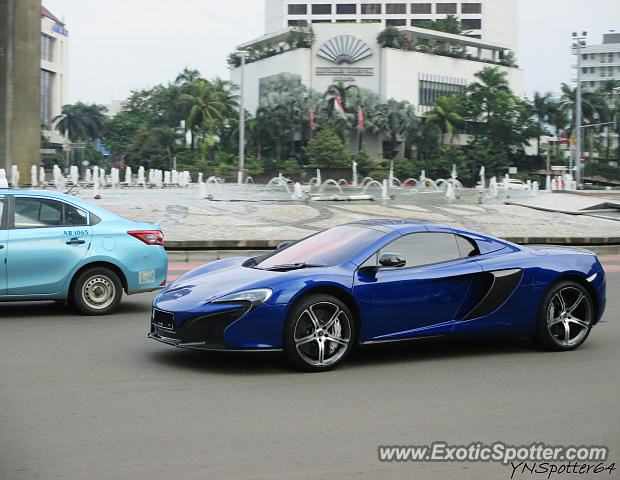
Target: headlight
[(254, 297)]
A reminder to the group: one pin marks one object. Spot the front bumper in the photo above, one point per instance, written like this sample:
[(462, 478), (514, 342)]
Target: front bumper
[(203, 332)]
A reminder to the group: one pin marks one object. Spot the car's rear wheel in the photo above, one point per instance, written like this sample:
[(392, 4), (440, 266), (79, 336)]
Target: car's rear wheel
[(319, 333), (97, 291), (565, 317)]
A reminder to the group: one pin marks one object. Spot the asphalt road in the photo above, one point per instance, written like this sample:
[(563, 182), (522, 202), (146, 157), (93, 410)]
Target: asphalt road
[(93, 398)]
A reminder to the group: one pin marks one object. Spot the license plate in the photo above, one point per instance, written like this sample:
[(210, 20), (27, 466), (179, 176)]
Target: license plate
[(163, 319)]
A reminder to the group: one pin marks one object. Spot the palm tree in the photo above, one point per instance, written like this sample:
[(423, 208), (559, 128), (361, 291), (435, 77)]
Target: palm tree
[(446, 115), (541, 105), (81, 121), (342, 91), (493, 77), (396, 120)]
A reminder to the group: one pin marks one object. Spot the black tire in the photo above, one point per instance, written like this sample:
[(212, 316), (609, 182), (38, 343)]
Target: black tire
[(319, 333), (96, 291), (565, 317)]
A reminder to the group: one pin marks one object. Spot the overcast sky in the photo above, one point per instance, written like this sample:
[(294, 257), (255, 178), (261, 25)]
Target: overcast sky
[(119, 45)]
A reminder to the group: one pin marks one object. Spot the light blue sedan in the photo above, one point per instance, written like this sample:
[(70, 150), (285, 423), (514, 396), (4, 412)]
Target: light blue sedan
[(57, 247)]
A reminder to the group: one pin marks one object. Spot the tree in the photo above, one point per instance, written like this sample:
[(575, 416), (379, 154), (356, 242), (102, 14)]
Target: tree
[(397, 118), (542, 109), (446, 115), (501, 123), (326, 150), (81, 121)]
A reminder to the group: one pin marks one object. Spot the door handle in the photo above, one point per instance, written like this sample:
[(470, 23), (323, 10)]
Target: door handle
[(76, 241)]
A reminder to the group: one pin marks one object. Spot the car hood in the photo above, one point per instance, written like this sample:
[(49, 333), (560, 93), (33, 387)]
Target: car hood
[(213, 280)]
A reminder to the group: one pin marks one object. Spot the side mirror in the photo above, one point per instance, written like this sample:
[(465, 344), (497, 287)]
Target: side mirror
[(389, 259), (284, 245)]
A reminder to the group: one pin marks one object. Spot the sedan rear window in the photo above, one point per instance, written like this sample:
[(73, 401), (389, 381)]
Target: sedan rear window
[(327, 248)]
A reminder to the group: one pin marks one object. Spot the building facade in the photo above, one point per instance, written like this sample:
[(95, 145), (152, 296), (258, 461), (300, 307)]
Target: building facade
[(350, 53), (54, 69), (489, 20), (600, 63)]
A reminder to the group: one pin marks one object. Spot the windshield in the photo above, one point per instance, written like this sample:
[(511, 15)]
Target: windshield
[(327, 248)]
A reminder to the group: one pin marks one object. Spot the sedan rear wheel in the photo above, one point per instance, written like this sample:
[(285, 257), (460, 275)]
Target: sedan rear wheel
[(319, 333), (97, 291), (565, 318)]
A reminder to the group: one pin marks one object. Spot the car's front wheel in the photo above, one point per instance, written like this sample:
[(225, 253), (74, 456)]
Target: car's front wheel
[(319, 333), (565, 317), (97, 291)]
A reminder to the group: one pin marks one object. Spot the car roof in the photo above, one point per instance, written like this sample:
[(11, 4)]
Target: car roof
[(100, 212), (400, 224)]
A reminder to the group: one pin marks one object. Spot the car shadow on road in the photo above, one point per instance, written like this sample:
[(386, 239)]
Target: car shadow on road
[(269, 363), (12, 310)]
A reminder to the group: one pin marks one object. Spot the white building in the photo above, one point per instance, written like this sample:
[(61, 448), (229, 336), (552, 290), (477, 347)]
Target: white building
[(54, 78), (600, 62), (489, 20), (350, 53)]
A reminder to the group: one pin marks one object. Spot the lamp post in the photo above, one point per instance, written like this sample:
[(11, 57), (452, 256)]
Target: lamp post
[(242, 53), (578, 42)]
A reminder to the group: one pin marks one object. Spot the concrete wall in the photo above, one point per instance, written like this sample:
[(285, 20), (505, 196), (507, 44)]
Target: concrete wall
[(297, 62), (400, 73), (20, 45)]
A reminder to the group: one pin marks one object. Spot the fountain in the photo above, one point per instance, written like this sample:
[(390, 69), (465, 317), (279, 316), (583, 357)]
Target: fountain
[(372, 183), (249, 180), (483, 182), (391, 176), (505, 183), (166, 178), (88, 178), (42, 176), (493, 188), (58, 178), (354, 174), (279, 181), (114, 178), (450, 191), (174, 177), (95, 181), (33, 176), (535, 188), (3, 181), (331, 182), (199, 178), (14, 176), (128, 176), (297, 193), (384, 189), (141, 181), (410, 182), (548, 184), (74, 174)]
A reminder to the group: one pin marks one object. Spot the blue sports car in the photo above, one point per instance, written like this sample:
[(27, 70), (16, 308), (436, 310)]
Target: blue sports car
[(382, 281), (57, 247)]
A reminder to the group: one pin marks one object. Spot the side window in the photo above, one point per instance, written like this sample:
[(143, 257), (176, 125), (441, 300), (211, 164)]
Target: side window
[(41, 212), (37, 213), (75, 217), (467, 247), (424, 248)]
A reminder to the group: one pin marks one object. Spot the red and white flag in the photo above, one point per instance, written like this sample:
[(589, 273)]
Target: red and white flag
[(312, 126), (338, 105), (360, 118)]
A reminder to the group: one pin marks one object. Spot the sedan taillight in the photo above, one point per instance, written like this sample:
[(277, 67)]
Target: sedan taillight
[(150, 237)]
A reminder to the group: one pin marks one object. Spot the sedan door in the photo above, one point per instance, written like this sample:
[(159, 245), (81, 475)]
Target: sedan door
[(422, 297), (4, 235), (47, 238)]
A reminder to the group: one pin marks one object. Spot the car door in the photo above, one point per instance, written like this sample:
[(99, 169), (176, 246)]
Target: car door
[(422, 297), (4, 235), (47, 238)]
